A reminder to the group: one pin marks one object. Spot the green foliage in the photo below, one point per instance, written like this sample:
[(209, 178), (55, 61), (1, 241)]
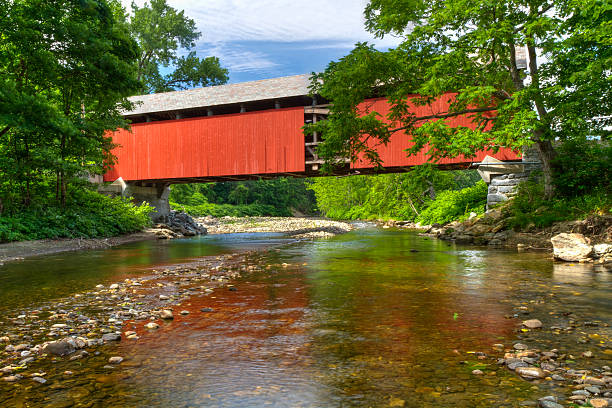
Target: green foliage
[(582, 176), (455, 205), (66, 68), (467, 47), (390, 196), (277, 197), (582, 167), (87, 215), (160, 30), (529, 209)]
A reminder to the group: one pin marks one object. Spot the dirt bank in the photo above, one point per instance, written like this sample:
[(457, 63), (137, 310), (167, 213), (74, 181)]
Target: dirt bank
[(18, 250)]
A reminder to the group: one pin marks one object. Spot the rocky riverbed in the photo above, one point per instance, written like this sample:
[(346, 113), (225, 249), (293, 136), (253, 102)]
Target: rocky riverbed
[(299, 228), (87, 324), (73, 344)]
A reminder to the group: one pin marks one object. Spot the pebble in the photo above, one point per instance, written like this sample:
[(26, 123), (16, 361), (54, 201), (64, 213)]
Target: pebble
[(152, 326), (599, 403), (114, 286), (10, 378), (184, 312), (477, 372), (530, 372), (520, 346), (111, 337), (593, 390), (115, 360), (514, 363), (163, 297), (207, 309), (39, 380), (549, 402), (587, 354), (594, 381), (532, 324), (166, 315)]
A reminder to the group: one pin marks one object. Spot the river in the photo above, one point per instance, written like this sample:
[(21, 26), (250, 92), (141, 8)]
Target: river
[(374, 317)]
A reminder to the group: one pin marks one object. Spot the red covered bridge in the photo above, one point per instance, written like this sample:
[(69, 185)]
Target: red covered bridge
[(244, 131)]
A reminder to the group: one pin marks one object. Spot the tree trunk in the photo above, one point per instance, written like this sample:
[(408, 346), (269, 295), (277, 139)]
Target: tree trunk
[(547, 154)]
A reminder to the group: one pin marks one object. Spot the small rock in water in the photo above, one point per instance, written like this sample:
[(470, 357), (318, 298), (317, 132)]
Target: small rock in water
[(477, 372), (587, 354), (166, 315), (599, 403), (514, 363), (532, 324), (184, 312), (5, 339), (152, 326), (60, 348), (530, 372), (111, 337), (163, 297), (520, 346), (10, 378), (207, 309), (114, 286), (39, 380), (549, 403), (115, 360)]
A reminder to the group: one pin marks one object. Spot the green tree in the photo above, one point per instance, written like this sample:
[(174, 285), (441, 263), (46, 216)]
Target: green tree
[(469, 48), (66, 68), (160, 31)]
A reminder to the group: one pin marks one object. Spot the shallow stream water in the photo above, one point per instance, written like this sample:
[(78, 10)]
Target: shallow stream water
[(366, 319)]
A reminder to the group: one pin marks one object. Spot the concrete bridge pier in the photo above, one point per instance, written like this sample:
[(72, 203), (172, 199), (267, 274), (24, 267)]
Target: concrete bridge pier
[(156, 194)]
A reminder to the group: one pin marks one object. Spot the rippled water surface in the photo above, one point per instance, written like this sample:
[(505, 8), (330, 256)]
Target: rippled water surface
[(371, 318)]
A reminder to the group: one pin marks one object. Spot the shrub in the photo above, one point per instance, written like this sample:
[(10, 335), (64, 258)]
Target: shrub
[(86, 215), (582, 167), (453, 205), (530, 209)]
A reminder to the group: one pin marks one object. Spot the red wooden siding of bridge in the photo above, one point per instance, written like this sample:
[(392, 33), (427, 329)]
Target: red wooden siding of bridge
[(394, 155), (254, 143), (262, 142)]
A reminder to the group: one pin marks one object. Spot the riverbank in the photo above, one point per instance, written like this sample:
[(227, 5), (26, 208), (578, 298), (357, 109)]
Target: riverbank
[(491, 229), (13, 251), (300, 228)]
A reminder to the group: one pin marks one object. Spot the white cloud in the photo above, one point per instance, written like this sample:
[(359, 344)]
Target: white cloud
[(238, 59), (278, 20)]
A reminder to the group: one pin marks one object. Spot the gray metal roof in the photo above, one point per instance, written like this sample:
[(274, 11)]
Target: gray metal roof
[(274, 88)]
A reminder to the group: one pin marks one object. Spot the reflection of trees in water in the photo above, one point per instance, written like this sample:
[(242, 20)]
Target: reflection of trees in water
[(386, 314)]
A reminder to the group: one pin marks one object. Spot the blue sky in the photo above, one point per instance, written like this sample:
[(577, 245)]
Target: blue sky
[(261, 39)]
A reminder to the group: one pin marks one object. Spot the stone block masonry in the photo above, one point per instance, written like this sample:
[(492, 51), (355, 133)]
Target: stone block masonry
[(502, 187)]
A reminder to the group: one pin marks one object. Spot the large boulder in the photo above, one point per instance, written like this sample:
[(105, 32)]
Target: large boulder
[(571, 247)]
